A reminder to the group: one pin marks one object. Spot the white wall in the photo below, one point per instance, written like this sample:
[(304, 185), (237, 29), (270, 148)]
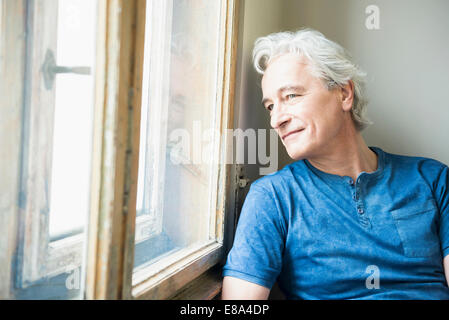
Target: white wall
[(407, 61), (258, 18)]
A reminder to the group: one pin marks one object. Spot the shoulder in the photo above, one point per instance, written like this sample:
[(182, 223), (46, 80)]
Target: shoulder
[(271, 197), (281, 180), (417, 168), (425, 165)]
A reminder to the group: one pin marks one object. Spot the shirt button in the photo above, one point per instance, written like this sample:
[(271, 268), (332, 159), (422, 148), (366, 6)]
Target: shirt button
[(360, 210), (351, 182)]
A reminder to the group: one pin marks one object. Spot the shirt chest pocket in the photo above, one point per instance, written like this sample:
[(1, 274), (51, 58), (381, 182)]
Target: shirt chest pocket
[(417, 229)]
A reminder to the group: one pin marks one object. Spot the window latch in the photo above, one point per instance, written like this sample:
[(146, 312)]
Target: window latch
[(242, 180), (50, 69)]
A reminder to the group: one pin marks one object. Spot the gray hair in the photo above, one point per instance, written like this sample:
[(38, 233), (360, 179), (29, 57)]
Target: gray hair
[(329, 62)]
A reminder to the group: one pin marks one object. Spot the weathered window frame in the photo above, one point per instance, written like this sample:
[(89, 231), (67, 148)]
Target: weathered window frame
[(38, 256), (112, 219), (38, 130), (119, 66), (27, 32), (160, 280), (158, 47), (116, 153), (12, 63)]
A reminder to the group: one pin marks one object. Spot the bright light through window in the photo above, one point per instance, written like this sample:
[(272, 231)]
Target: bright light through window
[(179, 98), (73, 119)]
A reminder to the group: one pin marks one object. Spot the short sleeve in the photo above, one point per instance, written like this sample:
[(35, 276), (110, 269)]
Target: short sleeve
[(256, 255), (442, 197)]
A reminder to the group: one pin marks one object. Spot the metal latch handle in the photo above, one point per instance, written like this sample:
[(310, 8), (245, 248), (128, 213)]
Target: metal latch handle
[(50, 69)]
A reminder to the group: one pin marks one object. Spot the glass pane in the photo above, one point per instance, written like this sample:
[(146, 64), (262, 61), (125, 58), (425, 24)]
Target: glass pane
[(56, 160), (178, 109), (73, 119)]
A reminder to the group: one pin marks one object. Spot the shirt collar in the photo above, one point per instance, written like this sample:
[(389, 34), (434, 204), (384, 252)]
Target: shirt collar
[(379, 172)]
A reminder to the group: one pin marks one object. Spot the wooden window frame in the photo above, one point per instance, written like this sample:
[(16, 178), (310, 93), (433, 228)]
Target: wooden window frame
[(158, 46), (117, 109), (39, 257), (37, 132), (112, 225), (30, 253), (163, 278), (12, 63)]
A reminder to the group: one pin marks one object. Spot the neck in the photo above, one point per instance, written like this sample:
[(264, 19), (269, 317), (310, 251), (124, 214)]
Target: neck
[(347, 155)]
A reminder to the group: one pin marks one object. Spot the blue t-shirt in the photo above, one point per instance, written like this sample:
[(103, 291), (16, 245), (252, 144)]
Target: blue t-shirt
[(324, 236)]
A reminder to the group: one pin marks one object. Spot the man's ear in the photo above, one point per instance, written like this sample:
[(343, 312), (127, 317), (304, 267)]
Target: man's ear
[(347, 95)]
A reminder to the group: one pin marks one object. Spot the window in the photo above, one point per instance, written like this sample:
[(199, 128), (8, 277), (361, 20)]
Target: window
[(185, 111), (54, 155), (99, 199), (175, 194)]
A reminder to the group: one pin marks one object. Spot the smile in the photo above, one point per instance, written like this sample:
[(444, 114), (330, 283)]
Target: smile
[(291, 133)]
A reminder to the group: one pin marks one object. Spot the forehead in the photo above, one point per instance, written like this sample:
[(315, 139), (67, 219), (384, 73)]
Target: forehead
[(286, 70)]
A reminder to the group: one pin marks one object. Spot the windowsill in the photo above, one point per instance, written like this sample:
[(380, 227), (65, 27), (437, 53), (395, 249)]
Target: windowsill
[(208, 287), (205, 287)]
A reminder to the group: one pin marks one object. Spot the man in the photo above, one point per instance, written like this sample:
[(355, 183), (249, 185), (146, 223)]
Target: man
[(345, 221)]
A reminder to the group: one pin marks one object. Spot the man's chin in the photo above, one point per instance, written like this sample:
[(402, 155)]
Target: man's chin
[(300, 150), (296, 154)]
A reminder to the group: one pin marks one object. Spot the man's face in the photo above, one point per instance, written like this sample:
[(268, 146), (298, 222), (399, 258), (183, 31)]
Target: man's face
[(307, 116)]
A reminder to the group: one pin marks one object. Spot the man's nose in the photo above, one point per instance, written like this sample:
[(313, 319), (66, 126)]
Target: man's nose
[(279, 117)]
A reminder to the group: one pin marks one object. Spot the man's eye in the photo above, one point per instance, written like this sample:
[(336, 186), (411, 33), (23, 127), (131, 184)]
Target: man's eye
[(270, 107), (292, 95)]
